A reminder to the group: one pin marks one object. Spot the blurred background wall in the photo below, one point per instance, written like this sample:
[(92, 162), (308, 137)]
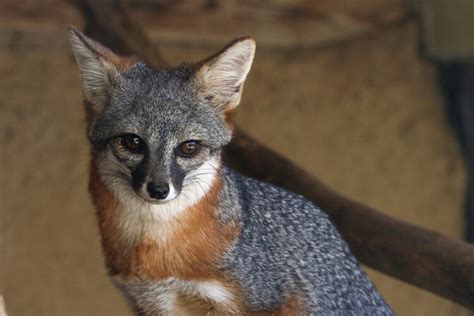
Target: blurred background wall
[(337, 86)]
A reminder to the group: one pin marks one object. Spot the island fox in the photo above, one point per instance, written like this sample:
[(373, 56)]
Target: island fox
[(182, 234)]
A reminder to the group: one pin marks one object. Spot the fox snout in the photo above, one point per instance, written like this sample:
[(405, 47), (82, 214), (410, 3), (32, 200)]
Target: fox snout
[(158, 190)]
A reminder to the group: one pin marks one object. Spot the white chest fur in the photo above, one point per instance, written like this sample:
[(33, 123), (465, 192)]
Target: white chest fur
[(162, 297)]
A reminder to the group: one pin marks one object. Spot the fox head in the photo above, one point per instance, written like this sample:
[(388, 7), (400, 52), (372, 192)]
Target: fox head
[(157, 134)]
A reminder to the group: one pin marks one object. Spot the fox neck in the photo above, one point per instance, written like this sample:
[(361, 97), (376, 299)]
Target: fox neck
[(128, 224)]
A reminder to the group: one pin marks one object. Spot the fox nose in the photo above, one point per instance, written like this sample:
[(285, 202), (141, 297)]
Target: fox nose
[(158, 191)]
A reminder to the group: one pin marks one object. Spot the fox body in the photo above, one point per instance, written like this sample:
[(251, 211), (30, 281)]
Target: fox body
[(181, 233)]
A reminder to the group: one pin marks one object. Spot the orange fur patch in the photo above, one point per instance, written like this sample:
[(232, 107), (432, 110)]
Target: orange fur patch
[(191, 252), (121, 63), (116, 260)]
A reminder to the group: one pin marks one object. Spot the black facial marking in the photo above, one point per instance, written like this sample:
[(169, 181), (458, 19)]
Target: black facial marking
[(139, 174), (177, 175)]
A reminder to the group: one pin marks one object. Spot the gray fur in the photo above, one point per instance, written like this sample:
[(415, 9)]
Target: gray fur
[(288, 246)]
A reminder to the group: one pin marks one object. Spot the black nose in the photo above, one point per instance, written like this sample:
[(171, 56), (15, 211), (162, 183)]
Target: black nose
[(158, 191)]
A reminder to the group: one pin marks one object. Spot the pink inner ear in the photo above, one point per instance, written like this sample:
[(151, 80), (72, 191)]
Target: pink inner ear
[(209, 97)]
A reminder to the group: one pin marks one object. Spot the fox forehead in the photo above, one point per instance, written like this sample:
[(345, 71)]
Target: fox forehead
[(168, 82), (159, 103)]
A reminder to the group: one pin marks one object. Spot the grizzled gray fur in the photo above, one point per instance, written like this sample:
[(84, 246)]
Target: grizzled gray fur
[(288, 244)]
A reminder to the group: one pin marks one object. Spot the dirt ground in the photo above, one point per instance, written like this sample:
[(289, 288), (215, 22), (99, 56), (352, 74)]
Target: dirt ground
[(364, 116)]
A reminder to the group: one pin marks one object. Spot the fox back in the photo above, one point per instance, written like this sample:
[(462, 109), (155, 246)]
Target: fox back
[(181, 233)]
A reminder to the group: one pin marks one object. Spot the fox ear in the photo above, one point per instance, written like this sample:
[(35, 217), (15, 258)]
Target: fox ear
[(221, 77), (100, 68)]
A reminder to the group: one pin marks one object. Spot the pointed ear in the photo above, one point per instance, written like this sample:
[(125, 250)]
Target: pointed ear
[(100, 68), (221, 77)]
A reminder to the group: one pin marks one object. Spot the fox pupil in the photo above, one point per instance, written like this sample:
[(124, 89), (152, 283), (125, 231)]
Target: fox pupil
[(188, 148), (132, 143)]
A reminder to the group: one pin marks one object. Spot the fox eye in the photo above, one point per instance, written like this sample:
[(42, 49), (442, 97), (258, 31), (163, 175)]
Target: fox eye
[(188, 148), (132, 143)]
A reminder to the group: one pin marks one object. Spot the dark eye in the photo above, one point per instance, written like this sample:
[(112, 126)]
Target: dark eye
[(133, 143), (188, 148)]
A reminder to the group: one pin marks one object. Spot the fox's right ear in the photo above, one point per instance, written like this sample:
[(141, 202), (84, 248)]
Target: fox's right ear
[(221, 77), (100, 68)]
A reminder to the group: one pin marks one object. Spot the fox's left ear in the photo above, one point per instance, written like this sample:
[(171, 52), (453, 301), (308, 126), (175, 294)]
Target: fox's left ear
[(221, 77), (100, 68)]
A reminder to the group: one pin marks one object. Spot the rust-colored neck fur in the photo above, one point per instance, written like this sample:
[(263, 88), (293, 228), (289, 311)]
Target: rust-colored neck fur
[(195, 243)]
